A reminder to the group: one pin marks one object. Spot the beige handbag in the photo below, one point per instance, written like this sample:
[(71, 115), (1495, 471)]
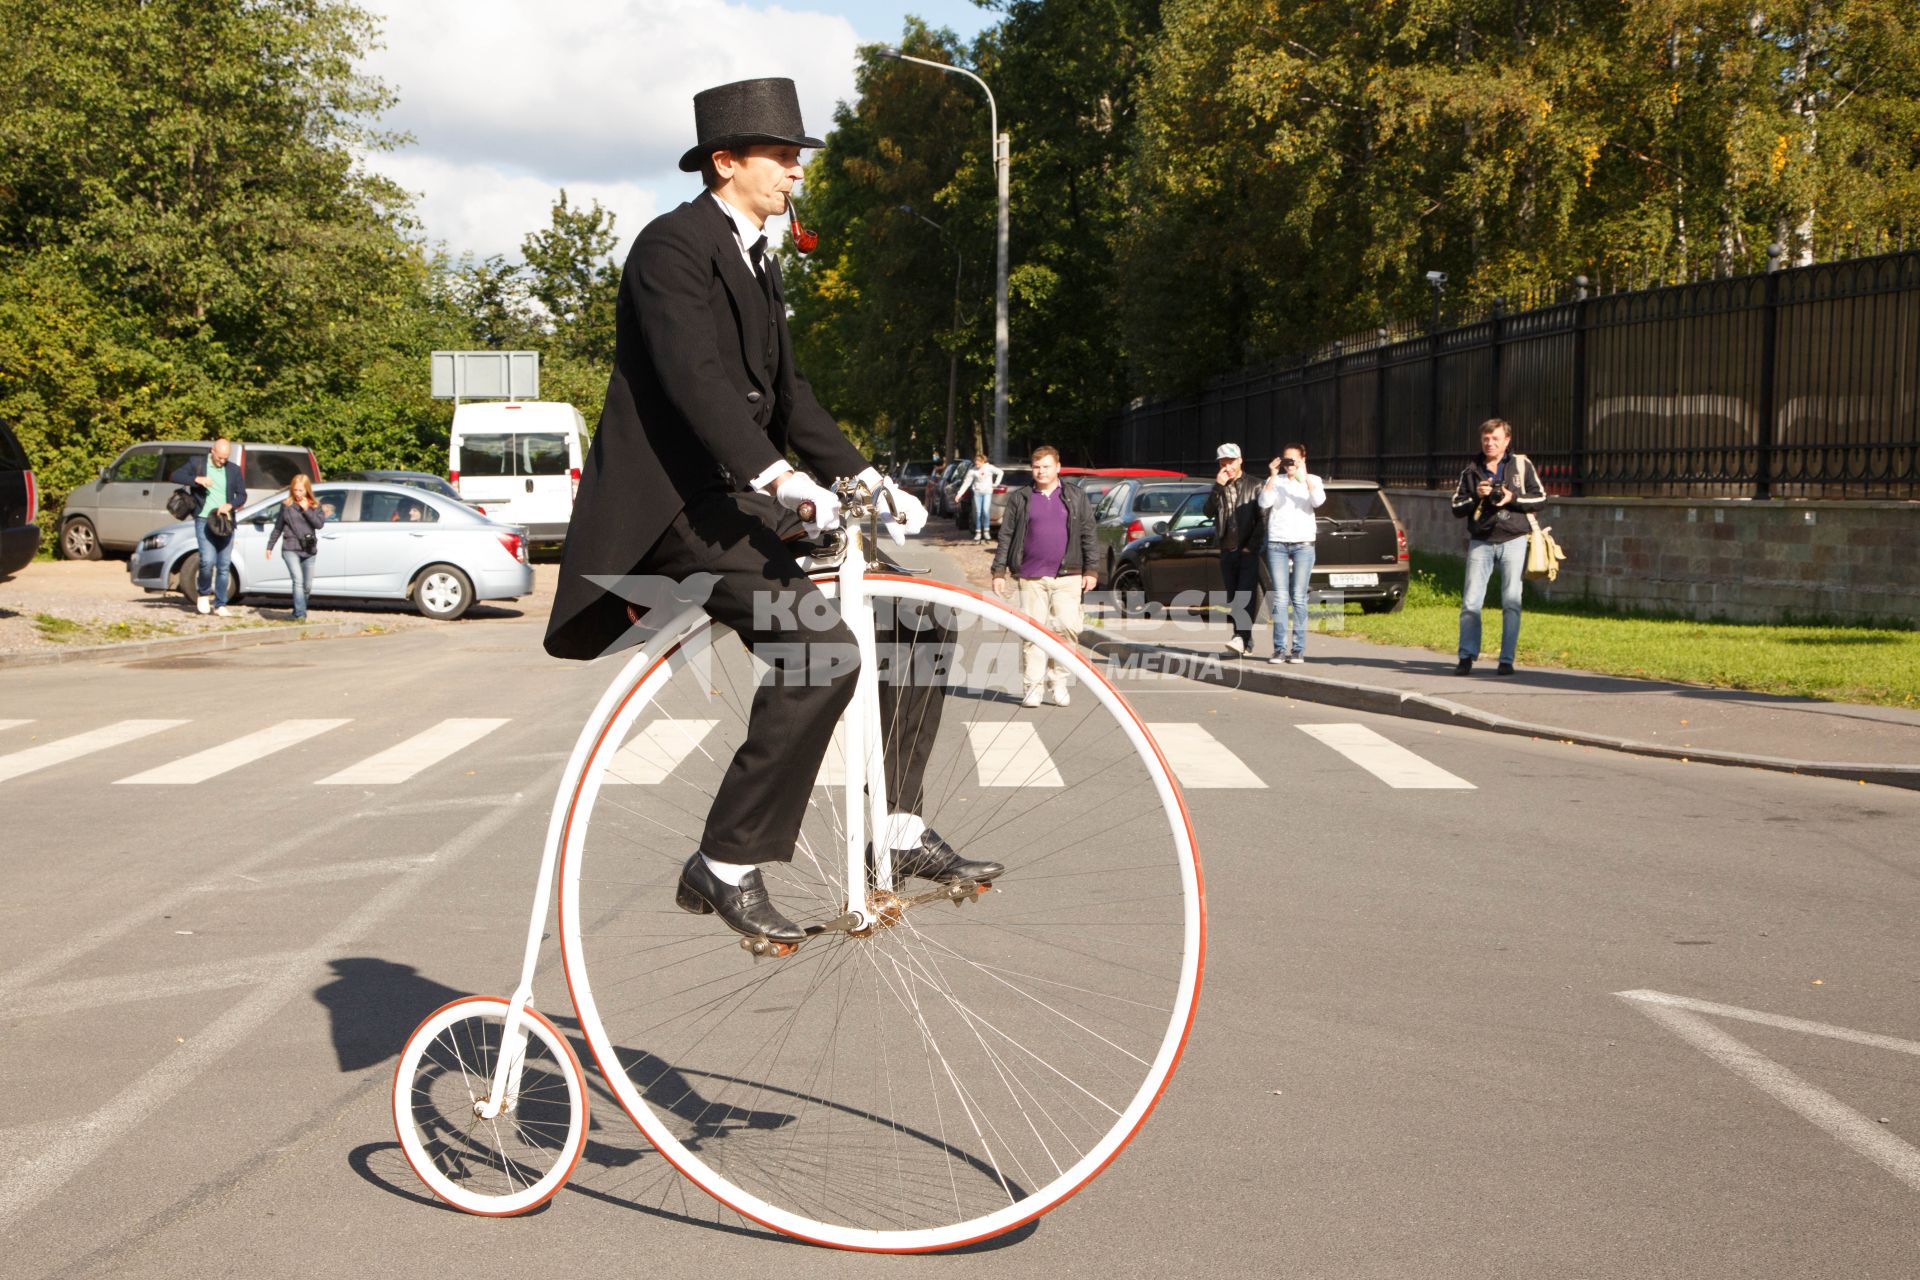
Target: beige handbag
[(1543, 553)]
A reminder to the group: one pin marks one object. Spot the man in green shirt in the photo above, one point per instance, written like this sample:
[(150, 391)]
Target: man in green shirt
[(225, 490)]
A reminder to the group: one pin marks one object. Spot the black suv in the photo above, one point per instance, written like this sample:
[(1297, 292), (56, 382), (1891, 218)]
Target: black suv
[(1360, 552), (19, 506)]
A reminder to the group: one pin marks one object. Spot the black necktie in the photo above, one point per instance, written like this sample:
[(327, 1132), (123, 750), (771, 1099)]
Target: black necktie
[(758, 253)]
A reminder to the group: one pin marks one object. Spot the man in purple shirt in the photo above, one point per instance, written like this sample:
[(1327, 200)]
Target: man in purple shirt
[(1047, 537)]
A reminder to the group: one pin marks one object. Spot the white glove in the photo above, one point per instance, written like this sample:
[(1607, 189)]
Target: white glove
[(904, 504), (800, 488)]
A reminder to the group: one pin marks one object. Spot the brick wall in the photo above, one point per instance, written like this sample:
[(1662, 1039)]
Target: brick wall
[(1706, 558)]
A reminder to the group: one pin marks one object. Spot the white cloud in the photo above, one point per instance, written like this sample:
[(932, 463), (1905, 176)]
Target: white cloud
[(510, 101), (484, 209)]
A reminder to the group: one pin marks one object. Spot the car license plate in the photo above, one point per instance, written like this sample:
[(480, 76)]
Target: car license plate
[(1353, 579)]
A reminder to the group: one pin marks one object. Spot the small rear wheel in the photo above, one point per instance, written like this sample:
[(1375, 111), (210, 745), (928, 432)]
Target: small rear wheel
[(442, 593), (493, 1166)]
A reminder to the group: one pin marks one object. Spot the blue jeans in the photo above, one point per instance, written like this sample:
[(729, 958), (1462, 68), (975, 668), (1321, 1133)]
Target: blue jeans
[(982, 511), (300, 572), (216, 556), (1511, 556), (1290, 565)]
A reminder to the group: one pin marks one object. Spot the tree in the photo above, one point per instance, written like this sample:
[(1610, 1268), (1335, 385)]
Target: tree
[(573, 275)]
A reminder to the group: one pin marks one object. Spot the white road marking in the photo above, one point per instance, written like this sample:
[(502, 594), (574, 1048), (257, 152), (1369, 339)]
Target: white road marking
[(315, 875), (1009, 753), (1201, 760), (80, 744), (1386, 760), (39, 1167), (652, 755), (13, 724), (55, 958), (215, 761), (99, 993), (399, 762), (1682, 1016)]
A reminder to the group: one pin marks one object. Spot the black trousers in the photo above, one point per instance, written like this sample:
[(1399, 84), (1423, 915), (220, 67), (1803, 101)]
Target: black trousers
[(760, 593), (1240, 571)]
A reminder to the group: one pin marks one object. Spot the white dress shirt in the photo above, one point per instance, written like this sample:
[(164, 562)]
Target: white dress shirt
[(744, 235)]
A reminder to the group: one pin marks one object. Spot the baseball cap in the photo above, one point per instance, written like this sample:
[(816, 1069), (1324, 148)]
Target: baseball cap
[(1226, 451)]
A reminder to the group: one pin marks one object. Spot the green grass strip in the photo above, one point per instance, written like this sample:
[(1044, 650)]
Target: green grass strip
[(1878, 665)]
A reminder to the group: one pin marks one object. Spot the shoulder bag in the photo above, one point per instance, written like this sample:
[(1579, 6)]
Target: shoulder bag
[(1543, 553), (182, 503)]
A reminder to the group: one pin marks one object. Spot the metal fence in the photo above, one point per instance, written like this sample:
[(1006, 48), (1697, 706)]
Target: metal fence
[(1801, 382)]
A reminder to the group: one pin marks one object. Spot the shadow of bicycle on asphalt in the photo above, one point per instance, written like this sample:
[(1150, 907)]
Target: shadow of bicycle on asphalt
[(374, 1005)]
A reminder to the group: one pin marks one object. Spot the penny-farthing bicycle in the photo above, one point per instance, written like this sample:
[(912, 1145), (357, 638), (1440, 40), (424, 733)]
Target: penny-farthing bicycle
[(936, 1064)]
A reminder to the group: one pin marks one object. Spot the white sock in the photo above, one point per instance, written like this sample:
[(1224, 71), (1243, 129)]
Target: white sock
[(904, 830), (728, 873)]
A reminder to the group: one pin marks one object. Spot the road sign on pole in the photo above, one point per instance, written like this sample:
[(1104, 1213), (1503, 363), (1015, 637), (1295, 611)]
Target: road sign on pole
[(486, 375)]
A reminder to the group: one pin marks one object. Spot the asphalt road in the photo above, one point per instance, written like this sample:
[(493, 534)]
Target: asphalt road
[(1412, 1057)]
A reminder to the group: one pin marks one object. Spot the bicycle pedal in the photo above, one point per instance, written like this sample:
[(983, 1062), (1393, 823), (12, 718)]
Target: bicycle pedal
[(760, 948)]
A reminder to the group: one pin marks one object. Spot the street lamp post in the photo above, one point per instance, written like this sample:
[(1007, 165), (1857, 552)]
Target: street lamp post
[(1002, 149), (953, 356)]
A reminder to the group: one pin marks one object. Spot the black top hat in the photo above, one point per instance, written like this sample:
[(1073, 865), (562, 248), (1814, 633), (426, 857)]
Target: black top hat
[(731, 116)]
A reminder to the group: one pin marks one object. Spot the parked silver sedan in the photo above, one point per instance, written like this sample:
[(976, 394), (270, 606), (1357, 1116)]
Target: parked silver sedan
[(381, 542)]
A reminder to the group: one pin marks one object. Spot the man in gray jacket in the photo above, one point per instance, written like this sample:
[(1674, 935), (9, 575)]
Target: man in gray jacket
[(1047, 539)]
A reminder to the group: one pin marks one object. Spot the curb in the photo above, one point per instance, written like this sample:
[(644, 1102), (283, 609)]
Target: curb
[(242, 638), (1433, 710)]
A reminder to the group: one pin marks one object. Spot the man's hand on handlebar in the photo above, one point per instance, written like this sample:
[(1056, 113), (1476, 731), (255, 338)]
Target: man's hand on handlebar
[(816, 505)]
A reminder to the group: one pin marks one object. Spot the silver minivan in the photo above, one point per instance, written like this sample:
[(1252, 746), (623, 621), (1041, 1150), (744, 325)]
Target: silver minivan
[(129, 500)]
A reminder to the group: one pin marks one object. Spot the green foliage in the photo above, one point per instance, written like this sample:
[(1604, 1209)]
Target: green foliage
[(188, 246), (875, 312), (1838, 662), (1299, 165)]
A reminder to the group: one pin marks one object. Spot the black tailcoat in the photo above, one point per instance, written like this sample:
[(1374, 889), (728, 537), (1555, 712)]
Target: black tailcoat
[(704, 396)]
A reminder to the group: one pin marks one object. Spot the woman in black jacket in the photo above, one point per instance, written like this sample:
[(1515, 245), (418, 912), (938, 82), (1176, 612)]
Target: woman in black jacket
[(1495, 495), (300, 519)]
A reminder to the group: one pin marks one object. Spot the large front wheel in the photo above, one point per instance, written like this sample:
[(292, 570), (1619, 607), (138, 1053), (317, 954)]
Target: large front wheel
[(976, 1057)]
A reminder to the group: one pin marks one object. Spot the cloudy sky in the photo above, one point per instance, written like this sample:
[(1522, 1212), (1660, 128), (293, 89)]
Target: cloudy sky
[(510, 100)]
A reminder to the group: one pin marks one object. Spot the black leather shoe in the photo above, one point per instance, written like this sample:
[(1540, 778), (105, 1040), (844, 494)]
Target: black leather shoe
[(1465, 667), (745, 909), (936, 860), (1505, 669)]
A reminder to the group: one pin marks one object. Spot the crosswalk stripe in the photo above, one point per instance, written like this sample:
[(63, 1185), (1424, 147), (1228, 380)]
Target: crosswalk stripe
[(401, 761), (215, 761), (13, 724), (1009, 753), (1388, 761), (653, 753), (80, 744), (1201, 760)]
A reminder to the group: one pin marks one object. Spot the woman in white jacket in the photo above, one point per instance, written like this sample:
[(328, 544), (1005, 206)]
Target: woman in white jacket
[(1289, 497), (980, 479)]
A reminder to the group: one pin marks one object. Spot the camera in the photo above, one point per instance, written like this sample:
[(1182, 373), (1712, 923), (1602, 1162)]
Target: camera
[(1438, 279), (1286, 464)]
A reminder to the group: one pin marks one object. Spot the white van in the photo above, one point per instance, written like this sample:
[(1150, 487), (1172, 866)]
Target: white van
[(521, 461)]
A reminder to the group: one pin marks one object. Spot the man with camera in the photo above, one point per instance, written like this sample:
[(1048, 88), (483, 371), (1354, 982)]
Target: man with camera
[(1290, 497), (1495, 494)]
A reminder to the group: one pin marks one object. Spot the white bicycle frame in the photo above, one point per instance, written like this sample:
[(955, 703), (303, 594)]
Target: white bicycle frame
[(866, 792)]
